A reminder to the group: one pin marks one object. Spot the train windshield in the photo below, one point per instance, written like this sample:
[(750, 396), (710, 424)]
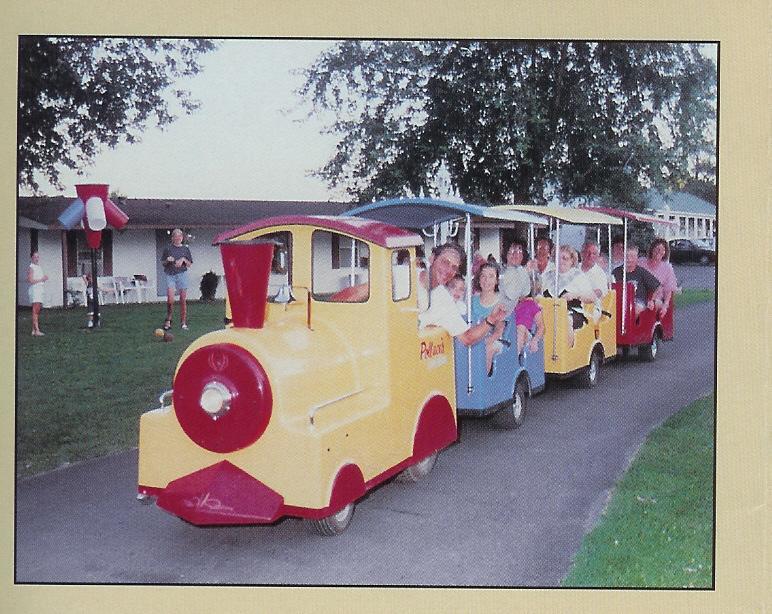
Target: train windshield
[(340, 268)]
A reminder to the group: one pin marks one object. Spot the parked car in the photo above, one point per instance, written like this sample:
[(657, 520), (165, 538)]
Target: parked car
[(688, 250)]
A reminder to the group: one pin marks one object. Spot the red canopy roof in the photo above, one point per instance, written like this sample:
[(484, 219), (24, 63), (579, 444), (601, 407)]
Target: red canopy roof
[(379, 233)]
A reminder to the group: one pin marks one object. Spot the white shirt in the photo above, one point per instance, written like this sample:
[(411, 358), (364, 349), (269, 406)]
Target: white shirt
[(515, 283), (598, 279), (572, 281), (443, 312)]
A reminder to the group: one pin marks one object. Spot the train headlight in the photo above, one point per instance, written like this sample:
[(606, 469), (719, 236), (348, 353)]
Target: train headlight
[(222, 397), (215, 399)]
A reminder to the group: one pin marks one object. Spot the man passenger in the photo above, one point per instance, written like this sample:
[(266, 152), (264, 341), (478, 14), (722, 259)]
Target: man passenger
[(445, 263), (592, 270), (645, 283)]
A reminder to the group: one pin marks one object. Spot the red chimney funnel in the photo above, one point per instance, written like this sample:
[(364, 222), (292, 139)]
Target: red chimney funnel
[(247, 266)]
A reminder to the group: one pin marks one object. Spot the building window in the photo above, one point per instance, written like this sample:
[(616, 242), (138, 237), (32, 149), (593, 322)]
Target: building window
[(79, 254), (346, 252)]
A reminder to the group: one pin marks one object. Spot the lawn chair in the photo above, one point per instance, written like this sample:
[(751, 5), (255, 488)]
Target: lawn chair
[(107, 287)]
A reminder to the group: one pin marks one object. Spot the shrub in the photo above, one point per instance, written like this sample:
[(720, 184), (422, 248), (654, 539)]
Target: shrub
[(209, 281)]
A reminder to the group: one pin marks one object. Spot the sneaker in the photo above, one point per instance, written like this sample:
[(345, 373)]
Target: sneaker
[(184, 326), (37, 333), (167, 325)]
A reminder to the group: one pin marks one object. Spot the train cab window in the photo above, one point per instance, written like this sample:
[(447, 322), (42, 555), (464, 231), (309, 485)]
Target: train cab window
[(400, 275), (340, 268), (281, 265)]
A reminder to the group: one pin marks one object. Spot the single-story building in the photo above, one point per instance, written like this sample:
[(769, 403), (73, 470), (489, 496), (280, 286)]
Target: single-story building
[(137, 249), (696, 217)]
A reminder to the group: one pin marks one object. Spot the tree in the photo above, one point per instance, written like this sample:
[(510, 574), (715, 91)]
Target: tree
[(513, 120), (79, 93)]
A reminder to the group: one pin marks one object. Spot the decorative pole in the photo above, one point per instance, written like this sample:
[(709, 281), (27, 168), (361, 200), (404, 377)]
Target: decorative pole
[(93, 210)]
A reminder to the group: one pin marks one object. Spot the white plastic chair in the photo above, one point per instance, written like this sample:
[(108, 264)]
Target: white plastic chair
[(136, 283), (107, 286)]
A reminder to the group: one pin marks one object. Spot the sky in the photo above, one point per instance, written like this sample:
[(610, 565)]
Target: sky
[(248, 140), (240, 144)]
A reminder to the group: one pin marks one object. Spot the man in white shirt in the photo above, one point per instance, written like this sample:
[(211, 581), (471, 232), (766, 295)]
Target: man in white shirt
[(445, 264), (592, 271)]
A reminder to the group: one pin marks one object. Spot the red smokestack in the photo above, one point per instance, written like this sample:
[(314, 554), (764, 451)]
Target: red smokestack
[(247, 266)]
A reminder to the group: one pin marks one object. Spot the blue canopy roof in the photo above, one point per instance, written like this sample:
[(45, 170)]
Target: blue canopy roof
[(425, 212)]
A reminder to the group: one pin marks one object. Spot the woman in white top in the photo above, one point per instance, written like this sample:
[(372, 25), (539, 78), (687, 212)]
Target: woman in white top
[(36, 279), (571, 285)]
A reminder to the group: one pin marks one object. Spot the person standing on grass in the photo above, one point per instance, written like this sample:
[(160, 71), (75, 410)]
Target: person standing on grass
[(36, 279), (176, 259)]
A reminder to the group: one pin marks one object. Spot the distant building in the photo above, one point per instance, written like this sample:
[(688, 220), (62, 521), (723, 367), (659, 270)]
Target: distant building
[(696, 217), (136, 250)]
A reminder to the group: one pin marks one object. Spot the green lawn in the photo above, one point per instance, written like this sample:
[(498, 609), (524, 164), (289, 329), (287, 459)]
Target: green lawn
[(693, 295), (80, 393), (657, 530)]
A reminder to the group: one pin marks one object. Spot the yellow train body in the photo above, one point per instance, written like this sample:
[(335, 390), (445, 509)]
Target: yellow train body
[(349, 382)]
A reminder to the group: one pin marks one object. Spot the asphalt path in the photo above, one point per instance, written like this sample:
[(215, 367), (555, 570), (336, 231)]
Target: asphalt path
[(500, 508)]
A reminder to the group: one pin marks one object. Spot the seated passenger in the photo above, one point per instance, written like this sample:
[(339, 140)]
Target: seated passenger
[(592, 269), (486, 297), (644, 282), (445, 264), (569, 283), (657, 263), (457, 289), (528, 312), (542, 263), (515, 280)]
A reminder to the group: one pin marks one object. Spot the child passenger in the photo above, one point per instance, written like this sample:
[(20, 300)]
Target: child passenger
[(528, 312), (457, 289)]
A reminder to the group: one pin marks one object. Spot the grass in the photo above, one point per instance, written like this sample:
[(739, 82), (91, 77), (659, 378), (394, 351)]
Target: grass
[(80, 393), (657, 530), (690, 296)]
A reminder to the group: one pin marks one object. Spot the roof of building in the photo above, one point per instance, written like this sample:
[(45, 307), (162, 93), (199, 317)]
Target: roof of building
[(190, 213), (679, 202)]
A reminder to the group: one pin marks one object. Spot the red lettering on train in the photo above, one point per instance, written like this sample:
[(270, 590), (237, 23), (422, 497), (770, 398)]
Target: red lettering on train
[(430, 349)]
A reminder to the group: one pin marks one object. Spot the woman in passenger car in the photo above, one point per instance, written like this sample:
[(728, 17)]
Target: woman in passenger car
[(486, 297), (570, 283), (657, 263), (515, 281)]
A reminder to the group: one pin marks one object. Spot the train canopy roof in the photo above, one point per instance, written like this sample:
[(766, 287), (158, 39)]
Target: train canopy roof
[(372, 231), (426, 212), (569, 215), (631, 215)]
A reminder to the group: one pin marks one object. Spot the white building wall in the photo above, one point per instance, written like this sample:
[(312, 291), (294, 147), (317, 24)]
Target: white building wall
[(134, 254)]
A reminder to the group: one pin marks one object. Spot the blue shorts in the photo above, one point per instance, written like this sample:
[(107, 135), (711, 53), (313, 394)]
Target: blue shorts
[(177, 281)]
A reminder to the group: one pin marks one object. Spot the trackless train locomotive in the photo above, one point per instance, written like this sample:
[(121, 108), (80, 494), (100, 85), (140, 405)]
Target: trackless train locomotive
[(322, 385)]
